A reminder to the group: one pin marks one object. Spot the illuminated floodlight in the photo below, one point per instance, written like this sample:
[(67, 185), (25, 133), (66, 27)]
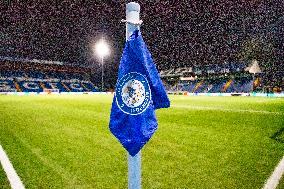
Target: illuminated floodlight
[(102, 49)]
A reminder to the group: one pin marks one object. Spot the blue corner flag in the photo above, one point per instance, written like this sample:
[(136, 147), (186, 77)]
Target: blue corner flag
[(139, 91)]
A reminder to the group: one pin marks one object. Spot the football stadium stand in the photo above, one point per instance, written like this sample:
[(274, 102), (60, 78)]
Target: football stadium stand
[(21, 75), (37, 76), (235, 77)]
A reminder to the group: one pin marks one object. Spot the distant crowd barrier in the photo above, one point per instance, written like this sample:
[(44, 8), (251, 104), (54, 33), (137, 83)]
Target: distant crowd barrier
[(50, 93), (170, 93), (229, 94)]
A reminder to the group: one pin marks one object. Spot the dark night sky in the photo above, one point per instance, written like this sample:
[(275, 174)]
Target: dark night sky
[(177, 32)]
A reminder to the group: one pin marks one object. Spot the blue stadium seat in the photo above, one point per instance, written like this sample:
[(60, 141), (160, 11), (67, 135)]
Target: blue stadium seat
[(30, 86), (6, 85), (36, 81)]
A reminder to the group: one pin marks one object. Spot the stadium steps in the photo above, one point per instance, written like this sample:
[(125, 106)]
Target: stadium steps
[(233, 87), (199, 84), (42, 85), (257, 82), (86, 88), (202, 88), (17, 86), (65, 87), (227, 85)]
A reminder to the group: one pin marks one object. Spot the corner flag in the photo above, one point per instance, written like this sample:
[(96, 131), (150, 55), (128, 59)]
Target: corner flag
[(139, 91)]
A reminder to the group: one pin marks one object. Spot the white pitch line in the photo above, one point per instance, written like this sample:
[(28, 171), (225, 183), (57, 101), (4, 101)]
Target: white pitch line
[(274, 179), (13, 177), (226, 109)]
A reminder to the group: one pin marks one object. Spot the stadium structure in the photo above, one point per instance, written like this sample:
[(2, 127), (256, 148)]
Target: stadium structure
[(24, 75), (234, 77)]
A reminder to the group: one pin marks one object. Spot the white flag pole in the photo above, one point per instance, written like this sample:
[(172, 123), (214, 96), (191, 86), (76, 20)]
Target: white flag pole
[(134, 171), (133, 23)]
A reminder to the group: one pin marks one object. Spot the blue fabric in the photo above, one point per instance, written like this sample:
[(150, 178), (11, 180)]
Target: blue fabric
[(139, 91)]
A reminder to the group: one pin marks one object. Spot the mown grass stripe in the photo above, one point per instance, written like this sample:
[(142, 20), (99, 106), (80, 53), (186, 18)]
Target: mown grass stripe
[(63, 141), (226, 109)]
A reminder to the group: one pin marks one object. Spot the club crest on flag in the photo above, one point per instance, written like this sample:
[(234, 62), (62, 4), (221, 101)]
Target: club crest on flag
[(133, 94), (139, 92)]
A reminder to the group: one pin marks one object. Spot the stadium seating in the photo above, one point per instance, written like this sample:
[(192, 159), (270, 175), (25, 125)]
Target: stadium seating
[(7, 85), (36, 78), (227, 77), (217, 86)]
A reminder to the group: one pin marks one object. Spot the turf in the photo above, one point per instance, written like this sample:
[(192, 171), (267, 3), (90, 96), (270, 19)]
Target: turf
[(202, 142), (281, 184), (279, 135), (4, 183)]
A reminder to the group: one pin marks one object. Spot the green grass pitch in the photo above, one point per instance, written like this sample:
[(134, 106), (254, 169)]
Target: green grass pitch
[(202, 142)]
